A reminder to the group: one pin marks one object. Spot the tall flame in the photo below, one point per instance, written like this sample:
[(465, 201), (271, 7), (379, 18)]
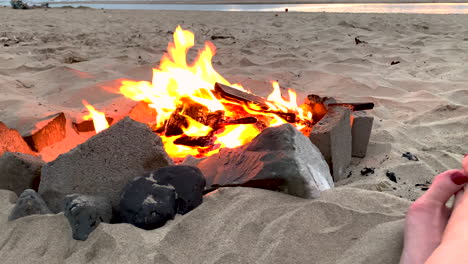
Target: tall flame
[(175, 80), (99, 118)]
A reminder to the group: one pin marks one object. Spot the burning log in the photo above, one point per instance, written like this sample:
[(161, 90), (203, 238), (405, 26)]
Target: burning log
[(317, 105), (214, 119), (237, 95), (240, 121), (320, 105), (192, 109), (200, 113), (174, 124), (227, 92), (204, 141)]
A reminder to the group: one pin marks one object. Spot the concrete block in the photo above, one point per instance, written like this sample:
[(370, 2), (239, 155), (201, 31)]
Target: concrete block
[(332, 136), (361, 131), (19, 171), (104, 164), (277, 153), (12, 141), (47, 132)]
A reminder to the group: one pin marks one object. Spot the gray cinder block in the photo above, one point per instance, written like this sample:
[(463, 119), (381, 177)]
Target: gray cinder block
[(332, 135), (276, 154), (19, 171), (104, 164), (361, 131), (52, 130), (11, 141)]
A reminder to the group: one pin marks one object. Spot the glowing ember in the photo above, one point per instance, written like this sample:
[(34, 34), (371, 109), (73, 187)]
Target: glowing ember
[(175, 82), (99, 118)]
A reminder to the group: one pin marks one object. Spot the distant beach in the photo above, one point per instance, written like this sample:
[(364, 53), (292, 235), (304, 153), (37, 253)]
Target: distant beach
[(294, 6), (338, 6), (412, 67)]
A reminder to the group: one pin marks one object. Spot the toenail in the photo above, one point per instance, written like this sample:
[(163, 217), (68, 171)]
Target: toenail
[(459, 178)]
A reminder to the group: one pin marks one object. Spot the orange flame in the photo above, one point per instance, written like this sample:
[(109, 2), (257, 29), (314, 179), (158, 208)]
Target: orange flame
[(99, 118), (175, 79)]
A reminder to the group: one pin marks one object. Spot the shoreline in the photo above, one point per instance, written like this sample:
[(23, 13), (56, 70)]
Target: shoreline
[(268, 2), (201, 5)]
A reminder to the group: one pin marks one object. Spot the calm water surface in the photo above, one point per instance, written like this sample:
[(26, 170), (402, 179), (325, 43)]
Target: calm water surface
[(442, 8)]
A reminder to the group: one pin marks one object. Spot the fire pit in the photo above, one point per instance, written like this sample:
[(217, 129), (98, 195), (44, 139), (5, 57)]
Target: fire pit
[(188, 115), (197, 112)]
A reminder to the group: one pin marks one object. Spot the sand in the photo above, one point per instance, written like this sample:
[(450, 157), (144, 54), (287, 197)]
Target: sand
[(421, 107)]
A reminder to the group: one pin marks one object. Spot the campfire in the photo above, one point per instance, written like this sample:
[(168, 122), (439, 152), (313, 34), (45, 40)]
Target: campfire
[(220, 134), (199, 112)]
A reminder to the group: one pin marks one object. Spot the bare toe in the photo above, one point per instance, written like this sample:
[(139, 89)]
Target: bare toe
[(427, 217)]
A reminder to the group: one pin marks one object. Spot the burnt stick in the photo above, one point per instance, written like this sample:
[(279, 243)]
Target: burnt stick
[(355, 106), (238, 95)]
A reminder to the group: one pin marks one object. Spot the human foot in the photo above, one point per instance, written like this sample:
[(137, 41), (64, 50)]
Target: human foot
[(427, 217)]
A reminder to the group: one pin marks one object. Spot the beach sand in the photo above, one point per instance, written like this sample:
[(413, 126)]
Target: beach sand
[(52, 59)]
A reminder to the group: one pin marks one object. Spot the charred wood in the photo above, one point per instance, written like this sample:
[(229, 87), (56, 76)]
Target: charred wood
[(213, 119), (227, 92), (235, 94), (195, 141), (175, 123), (355, 106), (189, 108), (240, 121)]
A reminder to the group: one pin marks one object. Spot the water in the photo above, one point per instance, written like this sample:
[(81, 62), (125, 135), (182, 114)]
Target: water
[(439, 8)]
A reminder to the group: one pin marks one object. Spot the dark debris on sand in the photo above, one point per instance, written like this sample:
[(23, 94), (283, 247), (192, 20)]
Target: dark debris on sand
[(410, 156), (366, 171), (391, 176)]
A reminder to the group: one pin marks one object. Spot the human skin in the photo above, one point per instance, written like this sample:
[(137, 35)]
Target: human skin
[(452, 248), (432, 230)]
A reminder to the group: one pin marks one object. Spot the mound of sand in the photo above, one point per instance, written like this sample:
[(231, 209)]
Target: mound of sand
[(234, 225)]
